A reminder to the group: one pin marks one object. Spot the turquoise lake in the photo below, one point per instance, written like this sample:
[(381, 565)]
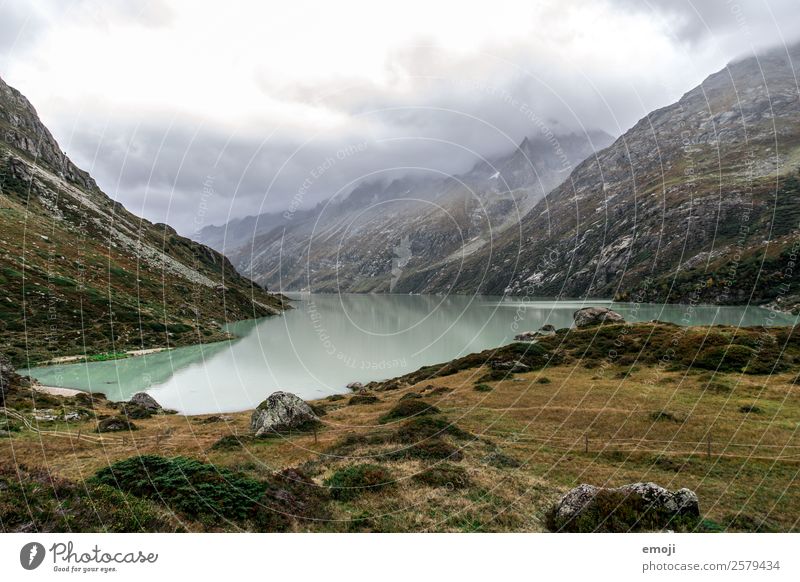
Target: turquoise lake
[(328, 341)]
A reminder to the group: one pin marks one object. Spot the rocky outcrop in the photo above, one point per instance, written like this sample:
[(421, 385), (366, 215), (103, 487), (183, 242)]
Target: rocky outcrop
[(281, 412), (529, 336), (589, 316), (144, 400), (8, 376), (637, 506), (115, 424)]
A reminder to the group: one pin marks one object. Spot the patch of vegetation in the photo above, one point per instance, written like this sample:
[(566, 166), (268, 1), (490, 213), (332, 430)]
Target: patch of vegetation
[(444, 475), (34, 500), (411, 396), (359, 399), (434, 449), (426, 427), (214, 495), (483, 388), (231, 442), (408, 408), (350, 443), (543, 380), (750, 409), (745, 522), (500, 460), (664, 416), (351, 482)]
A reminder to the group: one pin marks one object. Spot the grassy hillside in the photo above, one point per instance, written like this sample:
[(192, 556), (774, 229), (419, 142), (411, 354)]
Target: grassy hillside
[(79, 274)]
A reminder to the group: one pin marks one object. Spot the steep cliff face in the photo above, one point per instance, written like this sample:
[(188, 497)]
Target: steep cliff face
[(380, 235), (699, 201), (80, 273)]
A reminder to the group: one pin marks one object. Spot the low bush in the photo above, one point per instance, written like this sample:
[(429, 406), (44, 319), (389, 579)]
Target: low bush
[(351, 482), (750, 409), (426, 427), (445, 475), (34, 500), (482, 388), (359, 399), (663, 415), (407, 408), (434, 449)]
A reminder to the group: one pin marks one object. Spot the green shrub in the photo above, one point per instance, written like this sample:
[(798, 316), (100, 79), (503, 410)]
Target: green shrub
[(739, 358), (231, 442), (36, 500), (351, 482), (407, 408), (434, 449), (426, 427), (663, 415), (411, 396), (190, 487), (750, 409), (444, 475), (543, 380), (359, 399), (482, 388)]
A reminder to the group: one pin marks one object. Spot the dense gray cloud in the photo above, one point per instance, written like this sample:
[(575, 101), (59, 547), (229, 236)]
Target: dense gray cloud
[(156, 133)]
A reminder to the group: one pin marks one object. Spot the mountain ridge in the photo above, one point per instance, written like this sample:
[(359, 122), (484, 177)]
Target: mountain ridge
[(82, 275)]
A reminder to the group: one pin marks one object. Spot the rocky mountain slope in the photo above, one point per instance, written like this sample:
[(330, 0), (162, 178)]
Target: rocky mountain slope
[(80, 274), (380, 235), (698, 202)]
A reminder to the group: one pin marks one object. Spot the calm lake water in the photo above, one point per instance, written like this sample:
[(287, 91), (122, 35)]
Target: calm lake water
[(328, 341)]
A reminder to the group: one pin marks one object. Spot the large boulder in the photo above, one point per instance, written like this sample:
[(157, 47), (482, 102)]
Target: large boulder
[(281, 412), (633, 507), (596, 316), (144, 400)]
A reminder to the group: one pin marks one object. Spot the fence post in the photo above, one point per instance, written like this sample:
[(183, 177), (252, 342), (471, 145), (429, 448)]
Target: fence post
[(708, 446), (586, 443)]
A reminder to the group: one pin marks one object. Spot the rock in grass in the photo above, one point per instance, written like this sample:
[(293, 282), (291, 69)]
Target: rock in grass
[(115, 424), (281, 412), (634, 507), (589, 316), (144, 400), (8, 376)]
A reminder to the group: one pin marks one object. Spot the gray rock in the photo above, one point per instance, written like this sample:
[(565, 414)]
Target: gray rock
[(548, 329), (115, 424), (355, 386), (663, 503), (596, 316), (145, 401), (281, 412), (527, 336)]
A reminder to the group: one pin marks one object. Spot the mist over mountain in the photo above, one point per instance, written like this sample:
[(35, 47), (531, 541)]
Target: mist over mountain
[(383, 231)]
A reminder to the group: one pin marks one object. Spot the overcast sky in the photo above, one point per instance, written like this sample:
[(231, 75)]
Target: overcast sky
[(191, 113)]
